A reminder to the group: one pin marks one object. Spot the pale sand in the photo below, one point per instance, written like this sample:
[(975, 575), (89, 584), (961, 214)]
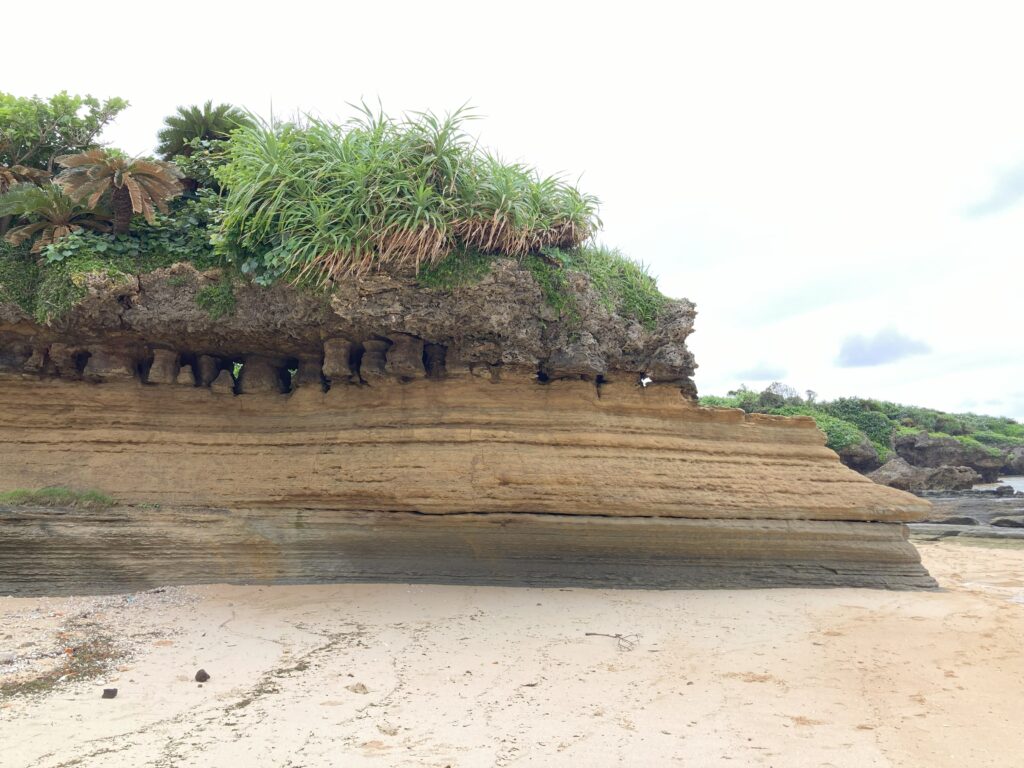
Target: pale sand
[(466, 676)]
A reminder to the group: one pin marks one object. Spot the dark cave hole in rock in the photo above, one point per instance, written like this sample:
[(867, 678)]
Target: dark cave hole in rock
[(542, 377), (355, 360), (434, 356), (142, 367), (81, 359), (288, 372)]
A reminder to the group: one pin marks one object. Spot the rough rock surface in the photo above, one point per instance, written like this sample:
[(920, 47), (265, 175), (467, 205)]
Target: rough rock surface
[(1014, 462), (501, 320), (923, 450), (897, 473), (860, 456), (981, 506)]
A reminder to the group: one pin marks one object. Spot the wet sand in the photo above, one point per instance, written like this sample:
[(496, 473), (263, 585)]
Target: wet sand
[(395, 675)]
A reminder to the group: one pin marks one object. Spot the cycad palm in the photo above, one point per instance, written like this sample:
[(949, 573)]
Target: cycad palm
[(133, 185), (56, 215), (12, 175), (208, 123), (17, 174)]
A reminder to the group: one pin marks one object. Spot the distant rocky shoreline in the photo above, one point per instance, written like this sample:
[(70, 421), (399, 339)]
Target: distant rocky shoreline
[(989, 513), (945, 472)]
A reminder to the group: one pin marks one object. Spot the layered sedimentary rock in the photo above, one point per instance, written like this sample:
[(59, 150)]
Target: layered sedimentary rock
[(47, 552), (400, 433)]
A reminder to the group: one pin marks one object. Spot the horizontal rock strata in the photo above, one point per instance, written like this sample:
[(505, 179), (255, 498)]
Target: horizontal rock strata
[(433, 446), (125, 549)]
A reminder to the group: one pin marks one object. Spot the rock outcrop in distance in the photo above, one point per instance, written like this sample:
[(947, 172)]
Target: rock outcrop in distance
[(393, 432), (924, 450), (897, 473)]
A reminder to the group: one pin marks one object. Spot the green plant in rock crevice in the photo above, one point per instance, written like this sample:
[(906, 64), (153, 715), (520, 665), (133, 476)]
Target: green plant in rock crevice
[(20, 274), (218, 299), (56, 496), (458, 269)]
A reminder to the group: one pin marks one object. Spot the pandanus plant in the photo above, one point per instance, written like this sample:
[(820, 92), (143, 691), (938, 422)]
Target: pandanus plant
[(327, 201), (131, 185), (52, 215)]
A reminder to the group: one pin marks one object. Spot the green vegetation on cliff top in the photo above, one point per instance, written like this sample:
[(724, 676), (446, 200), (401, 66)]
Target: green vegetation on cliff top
[(308, 202)]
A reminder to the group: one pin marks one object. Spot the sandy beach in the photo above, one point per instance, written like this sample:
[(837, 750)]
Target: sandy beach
[(393, 675)]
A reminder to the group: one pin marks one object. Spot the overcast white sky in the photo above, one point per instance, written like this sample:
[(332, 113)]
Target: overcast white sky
[(838, 186)]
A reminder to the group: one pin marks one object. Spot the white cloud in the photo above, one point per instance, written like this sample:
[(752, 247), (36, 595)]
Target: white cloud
[(886, 346)]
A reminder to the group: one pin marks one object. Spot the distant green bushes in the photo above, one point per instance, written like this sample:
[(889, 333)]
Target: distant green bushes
[(850, 420)]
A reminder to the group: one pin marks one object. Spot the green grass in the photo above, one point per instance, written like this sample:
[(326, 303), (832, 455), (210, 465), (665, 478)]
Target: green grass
[(625, 286), (63, 284), (218, 299), (554, 285), (839, 433), (458, 269), (19, 277), (49, 291), (56, 496)]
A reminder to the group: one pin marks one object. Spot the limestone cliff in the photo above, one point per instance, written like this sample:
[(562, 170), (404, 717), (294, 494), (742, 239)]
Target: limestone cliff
[(501, 321), (387, 407)]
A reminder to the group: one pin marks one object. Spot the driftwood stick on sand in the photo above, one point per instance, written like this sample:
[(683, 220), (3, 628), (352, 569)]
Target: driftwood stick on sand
[(624, 642)]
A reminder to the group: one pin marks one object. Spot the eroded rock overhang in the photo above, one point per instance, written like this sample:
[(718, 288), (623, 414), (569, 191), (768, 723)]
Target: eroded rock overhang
[(151, 328)]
